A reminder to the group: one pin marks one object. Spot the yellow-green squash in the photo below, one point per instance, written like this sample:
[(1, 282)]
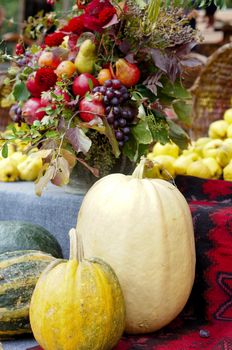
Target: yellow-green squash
[(77, 304)]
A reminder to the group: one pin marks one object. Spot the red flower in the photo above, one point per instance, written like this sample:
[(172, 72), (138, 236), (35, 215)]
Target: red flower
[(97, 14), (106, 14), (96, 6), (75, 25), (45, 78), (92, 23), (54, 39)]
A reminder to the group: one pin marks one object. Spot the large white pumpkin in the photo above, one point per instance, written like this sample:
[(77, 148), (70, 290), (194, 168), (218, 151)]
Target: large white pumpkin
[(143, 229)]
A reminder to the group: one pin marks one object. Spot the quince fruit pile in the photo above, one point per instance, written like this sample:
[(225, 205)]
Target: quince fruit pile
[(208, 157), (18, 165)]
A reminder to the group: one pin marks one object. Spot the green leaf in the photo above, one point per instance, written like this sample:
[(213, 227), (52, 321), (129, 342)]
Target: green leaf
[(35, 48), (178, 135), (111, 137), (154, 9), (51, 134), (145, 93), (142, 4), (142, 133), (6, 81), (130, 149), (10, 137), (36, 123), (90, 83), (5, 150), (175, 90), (183, 110), (20, 91), (158, 126)]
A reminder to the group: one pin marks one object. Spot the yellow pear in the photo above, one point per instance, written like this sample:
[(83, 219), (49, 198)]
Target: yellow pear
[(193, 151), (218, 129), (229, 131), (214, 167), (8, 170), (202, 141), (182, 162), (199, 169), (86, 57), (224, 155), (228, 142), (211, 148), (166, 163), (169, 149), (152, 171), (227, 172), (228, 115), (18, 157)]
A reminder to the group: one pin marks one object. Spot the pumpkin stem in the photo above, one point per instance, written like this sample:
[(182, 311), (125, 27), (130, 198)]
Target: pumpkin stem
[(76, 246)]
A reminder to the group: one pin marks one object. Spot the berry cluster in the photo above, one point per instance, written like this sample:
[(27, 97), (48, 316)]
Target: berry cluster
[(120, 113), (16, 114)]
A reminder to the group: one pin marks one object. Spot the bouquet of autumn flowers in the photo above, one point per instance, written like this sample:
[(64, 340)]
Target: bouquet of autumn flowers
[(97, 83)]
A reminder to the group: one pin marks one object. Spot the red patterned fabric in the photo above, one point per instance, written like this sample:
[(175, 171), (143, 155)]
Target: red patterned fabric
[(206, 321)]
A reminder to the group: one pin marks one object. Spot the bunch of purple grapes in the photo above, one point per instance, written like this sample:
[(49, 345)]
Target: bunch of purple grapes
[(120, 111), (25, 60), (16, 114)]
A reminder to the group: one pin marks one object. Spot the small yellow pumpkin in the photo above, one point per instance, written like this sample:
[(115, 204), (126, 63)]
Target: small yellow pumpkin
[(143, 228), (77, 304)]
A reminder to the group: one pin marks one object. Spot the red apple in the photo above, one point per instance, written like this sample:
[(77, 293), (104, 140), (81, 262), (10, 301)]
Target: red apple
[(34, 89), (30, 110), (89, 109), (84, 83), (127, 73)]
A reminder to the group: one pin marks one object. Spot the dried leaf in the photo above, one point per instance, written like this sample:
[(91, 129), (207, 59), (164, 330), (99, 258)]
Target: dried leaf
[(114, 20), (41, 154), (46, 174), (70, 157), (62, 173), (78, 139), (94, 171)]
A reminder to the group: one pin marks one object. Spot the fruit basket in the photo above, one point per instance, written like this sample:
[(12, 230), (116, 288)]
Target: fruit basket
[(212, 91), (91, 92)]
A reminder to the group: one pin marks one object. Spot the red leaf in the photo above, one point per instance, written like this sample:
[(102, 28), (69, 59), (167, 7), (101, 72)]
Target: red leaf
[(160, 59), (78, 139)]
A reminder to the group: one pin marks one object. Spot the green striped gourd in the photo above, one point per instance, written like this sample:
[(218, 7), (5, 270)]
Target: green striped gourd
[(19, 272)]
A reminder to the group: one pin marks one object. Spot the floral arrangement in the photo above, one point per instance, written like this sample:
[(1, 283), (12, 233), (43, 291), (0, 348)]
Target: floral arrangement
[(96, 85)]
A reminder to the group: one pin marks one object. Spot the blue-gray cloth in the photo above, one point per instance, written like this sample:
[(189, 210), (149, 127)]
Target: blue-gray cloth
[(56, 210)]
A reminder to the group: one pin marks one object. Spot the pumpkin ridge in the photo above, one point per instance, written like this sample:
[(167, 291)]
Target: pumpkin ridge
[(106, 295)]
